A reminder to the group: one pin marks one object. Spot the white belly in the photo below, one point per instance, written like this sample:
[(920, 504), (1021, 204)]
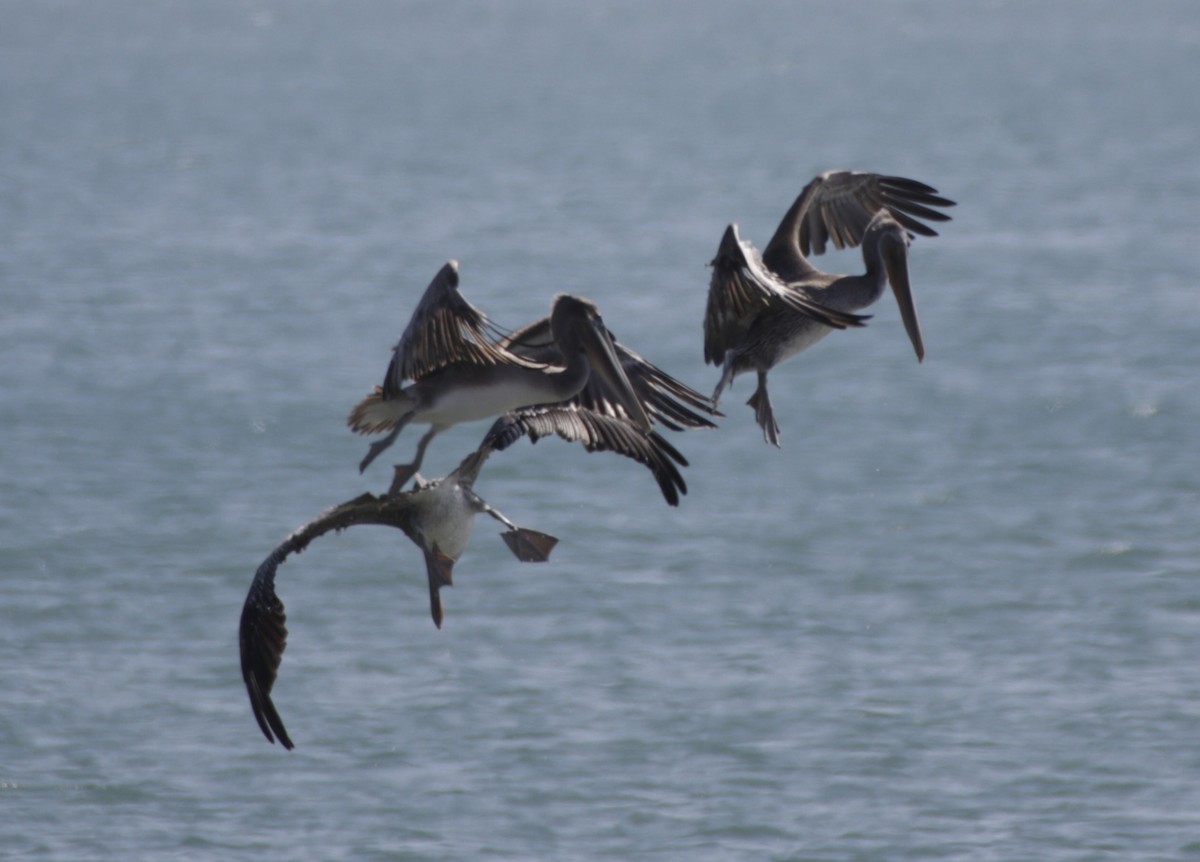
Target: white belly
[(447, 518), (469, 403)]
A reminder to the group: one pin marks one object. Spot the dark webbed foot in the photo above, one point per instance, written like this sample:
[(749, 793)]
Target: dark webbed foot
[(763, 412), (377, 447), (529, 546)]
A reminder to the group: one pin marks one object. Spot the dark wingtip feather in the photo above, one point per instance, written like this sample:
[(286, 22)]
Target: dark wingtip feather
[(597, 432), (262, 638)]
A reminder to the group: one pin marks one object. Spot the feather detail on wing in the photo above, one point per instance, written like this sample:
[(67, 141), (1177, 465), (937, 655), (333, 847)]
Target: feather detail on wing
[(598, 433), (837, 206), (262, 637), (667, 401), (262, 631), (444, 330), (741, 287)]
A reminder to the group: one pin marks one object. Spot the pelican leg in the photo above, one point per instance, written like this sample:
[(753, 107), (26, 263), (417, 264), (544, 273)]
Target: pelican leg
[(763, 413), (528, 546), (401, 475), (484, 506), (404, 472), (726, 377), (380, 445)]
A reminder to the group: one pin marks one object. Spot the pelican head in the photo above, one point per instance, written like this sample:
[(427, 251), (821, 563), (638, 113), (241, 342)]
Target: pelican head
[(891, 239), (578, 329)]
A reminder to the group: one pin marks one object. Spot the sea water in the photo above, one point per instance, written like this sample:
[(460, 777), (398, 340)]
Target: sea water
[(956, 616)]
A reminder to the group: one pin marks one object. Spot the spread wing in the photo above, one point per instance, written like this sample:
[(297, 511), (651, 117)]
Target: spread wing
[(262, 636), (598, 432), (742, 288), (666, 400), (444, 330), (262, 633), (838, 205)]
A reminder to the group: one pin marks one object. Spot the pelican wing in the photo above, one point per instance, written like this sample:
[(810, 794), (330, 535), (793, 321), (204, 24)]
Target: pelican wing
[(444, 330), (597, 432), (535, 342), (262, 636), (668, 401), (262, 633), (742, 287), (468, 469), (837, 206)]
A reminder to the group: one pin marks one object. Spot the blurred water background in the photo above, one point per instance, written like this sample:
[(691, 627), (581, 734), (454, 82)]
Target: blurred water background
[(957, 616)]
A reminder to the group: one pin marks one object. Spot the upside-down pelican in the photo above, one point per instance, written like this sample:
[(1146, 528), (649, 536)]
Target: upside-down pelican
[(437, 516), (459, 371), (847, 208)]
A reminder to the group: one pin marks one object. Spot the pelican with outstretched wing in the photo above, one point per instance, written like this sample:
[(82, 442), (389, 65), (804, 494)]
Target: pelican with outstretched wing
[(752, 322), (450, 367), (437, 516)]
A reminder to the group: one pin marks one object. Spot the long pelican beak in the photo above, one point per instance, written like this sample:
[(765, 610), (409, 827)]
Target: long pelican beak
[(607, 365), (895, 259)]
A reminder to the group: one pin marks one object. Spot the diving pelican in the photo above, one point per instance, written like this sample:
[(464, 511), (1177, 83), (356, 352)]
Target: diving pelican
[(436, 515), (847, 208), (594, 419), (460, 372)]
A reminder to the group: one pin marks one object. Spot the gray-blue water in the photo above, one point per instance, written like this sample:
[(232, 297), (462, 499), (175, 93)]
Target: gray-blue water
[(957, 616)]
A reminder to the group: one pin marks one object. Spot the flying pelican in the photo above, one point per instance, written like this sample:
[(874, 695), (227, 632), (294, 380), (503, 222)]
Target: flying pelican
[(460, 372), (847, 208), (437, 516), (601, 424)]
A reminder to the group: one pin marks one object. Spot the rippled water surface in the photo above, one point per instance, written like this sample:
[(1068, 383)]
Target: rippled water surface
[(956, 616)]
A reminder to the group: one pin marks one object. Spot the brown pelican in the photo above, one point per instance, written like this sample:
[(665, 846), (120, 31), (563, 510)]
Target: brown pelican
[(437, 516), (593, 418), (847, 208), (459, 371)]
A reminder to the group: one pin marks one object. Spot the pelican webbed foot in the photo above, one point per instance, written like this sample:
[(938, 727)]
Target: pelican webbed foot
[(529, 546), (378, 447), (764, 414)]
